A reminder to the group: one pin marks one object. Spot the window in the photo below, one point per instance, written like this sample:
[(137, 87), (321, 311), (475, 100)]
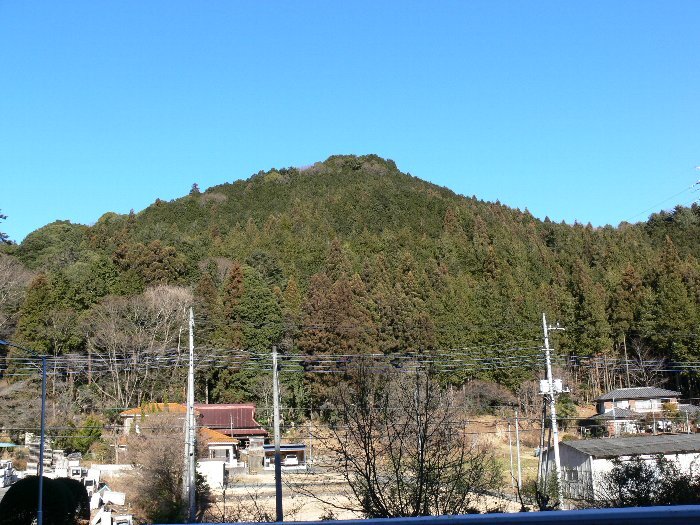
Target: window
[(571, 475)]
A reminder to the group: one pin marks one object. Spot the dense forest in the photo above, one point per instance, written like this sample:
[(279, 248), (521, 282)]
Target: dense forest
[(345, 258)]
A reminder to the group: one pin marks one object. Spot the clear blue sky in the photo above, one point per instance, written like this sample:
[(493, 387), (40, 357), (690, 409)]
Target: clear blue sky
[(585, 111)]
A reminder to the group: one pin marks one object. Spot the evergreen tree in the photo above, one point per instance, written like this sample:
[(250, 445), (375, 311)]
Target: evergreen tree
[(4, 238), (626, 302), (337, 322), (590, 331)]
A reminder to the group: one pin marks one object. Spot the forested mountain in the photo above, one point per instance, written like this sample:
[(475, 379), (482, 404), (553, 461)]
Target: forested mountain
[(345, 257)]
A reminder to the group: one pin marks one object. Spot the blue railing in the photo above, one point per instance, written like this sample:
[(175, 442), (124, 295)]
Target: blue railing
[(677, 515)]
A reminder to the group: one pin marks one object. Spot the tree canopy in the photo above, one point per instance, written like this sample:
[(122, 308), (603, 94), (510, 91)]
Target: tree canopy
[(348, 257)]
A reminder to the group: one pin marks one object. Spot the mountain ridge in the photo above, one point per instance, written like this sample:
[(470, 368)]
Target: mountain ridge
[(409, 253)]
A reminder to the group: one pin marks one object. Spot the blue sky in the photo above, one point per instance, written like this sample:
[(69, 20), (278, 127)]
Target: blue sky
[(583, 111)]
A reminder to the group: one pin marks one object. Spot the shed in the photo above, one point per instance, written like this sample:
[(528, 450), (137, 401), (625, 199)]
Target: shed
[(293, 456), (585, 462)]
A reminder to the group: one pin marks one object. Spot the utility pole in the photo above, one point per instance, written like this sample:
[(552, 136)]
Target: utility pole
[(191, 430), (279, 516), (540, 462), (627, 362), (553, 409), (311, 421), (517, 450), (510, 447), (42, 439), (42, 436)]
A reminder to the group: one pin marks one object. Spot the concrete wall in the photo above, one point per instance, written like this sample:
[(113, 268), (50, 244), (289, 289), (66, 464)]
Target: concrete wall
[(214, 471)]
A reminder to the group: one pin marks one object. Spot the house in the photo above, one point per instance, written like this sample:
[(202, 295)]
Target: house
[(234, 420), (220, 446), (617, 421), (223, 429), (133, 416), (640, 409), (641, 400), (584, 463)]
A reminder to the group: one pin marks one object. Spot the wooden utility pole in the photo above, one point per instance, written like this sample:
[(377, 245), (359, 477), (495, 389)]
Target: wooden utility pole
[(627, 362)]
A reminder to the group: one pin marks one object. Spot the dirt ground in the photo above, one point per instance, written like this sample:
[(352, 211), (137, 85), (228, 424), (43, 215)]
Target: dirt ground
[(329, 493), (259, 491)]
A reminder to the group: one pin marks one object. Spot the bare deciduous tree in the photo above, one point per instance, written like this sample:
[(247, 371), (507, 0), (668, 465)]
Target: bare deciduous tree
[(14, 279), (404, 448), (644, 368), (136, 343), (155, 484)]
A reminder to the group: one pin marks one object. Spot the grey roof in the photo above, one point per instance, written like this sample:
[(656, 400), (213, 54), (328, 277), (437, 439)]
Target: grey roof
[(627, 446), (618, 413), (642, 392), (690, 409)]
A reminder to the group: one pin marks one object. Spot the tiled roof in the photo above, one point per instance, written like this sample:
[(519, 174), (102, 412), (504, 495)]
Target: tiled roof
[(154, 408), (211, 437), (617, 413), (642, 392), (690, 409), (628, 446)]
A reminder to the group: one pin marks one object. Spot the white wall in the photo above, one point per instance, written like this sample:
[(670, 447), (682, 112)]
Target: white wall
[(213, 470)]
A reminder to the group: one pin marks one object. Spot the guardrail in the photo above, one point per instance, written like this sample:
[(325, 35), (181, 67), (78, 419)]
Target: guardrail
[(676, 515)]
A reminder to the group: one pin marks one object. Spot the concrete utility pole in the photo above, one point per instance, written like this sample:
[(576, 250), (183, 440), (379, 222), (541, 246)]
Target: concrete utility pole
[(510, 447), (279, 515), (191, 431), (540, 462), (42, 436), (517, 450), (42, 440), (553, 409)]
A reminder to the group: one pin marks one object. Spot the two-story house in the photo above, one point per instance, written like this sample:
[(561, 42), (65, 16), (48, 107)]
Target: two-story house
[(623, 411), (641, 400)]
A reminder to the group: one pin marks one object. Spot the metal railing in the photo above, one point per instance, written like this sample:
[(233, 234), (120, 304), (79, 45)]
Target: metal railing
[(676, 515)]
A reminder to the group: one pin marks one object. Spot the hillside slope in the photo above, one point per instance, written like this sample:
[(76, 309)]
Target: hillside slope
[(352, 256)]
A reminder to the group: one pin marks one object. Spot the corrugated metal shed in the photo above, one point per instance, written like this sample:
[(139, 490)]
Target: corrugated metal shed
[(642, 392), (628, 446)]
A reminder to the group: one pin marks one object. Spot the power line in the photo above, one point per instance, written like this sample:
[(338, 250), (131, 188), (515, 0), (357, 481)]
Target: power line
[(655, 206)]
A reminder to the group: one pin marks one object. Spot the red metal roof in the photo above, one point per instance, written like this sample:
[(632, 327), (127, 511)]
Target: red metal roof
[(230, 419)]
